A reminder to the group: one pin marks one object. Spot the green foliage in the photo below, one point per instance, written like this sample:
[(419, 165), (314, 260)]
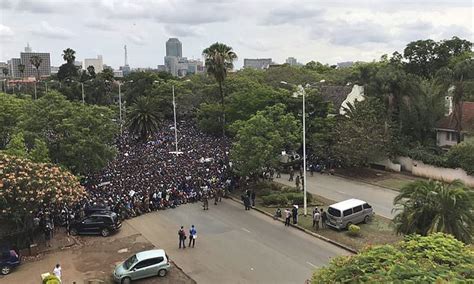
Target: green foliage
[(260, 140), (78, 137), (11, 111), (276, 199), (209, 118), (363, 125), (430, 206), (462, 155), (354, 230), (298, 197), (16, 147), (144, 118), (437, 258), (40, 152)]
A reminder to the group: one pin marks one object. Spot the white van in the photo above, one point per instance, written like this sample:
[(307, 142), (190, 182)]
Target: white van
[(352, 211)]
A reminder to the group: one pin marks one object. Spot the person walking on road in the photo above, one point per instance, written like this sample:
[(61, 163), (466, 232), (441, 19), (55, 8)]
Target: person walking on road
[(192, 236), (316, 218), (297, 182), (216, 196), (205, 202), (252, 196), (324, 218), (57, 271), (292, 173), (182, 237), (287, 217)]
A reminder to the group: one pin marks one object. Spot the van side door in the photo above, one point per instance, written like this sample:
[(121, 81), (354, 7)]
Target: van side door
[(347, 217), (358, 214)]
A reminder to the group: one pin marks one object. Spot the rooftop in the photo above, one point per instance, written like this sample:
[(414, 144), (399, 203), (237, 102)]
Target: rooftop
[(467, 121), (346, 204)]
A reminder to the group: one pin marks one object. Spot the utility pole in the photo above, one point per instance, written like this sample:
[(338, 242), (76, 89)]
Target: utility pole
[(120, 109), (82, 89), (35, 91)]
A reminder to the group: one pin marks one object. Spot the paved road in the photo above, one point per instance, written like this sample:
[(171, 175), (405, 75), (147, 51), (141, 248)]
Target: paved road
[(236, 246), (339, 189)]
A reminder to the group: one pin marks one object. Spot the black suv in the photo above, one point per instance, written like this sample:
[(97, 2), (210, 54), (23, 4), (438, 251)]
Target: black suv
[(102, 223)]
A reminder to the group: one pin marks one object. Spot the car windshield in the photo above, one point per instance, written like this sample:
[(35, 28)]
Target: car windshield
[(129, 262)]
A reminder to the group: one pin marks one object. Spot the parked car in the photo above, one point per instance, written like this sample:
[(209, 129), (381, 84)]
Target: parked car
[(142, 265), (9, 259), (352, 211), (102, 223)]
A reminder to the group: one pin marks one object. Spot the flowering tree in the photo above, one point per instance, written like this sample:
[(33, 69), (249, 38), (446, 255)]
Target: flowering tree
[(25, 187)]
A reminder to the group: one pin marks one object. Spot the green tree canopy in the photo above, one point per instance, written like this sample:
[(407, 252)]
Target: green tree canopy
[(430, 206), (363, 125), (11, 111), (78, 136), (437, 258), (261, 139), (144, 118), (16, 146)]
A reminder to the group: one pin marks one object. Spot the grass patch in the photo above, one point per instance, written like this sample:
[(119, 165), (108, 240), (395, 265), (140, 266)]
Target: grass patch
[(394, 183)]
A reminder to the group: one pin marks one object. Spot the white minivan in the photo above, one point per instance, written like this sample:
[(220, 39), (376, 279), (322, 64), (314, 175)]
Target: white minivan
[(345, 213)]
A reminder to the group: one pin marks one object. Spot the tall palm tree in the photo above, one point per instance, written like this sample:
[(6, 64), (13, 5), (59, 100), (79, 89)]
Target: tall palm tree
[(69, 55), (144, 118), (219, 59), (426, 207), (35, 60), (21, 68)]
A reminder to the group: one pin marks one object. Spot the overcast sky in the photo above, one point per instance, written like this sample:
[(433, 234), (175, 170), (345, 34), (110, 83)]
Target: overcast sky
[(328, 31)]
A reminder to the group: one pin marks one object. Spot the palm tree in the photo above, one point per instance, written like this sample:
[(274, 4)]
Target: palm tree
[(69, 55), (35, 60), (21, 68), (219, 59), (144, 118), (427, 207)]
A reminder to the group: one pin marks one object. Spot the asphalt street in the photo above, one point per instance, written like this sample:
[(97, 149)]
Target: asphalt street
[(340, 189), (236, 246)]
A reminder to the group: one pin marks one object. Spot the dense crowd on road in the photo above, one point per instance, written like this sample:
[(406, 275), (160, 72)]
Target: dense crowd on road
[(150, 176)]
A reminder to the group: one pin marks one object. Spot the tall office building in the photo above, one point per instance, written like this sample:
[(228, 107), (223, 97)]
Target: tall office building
[(98, 63), (258, 63), (171, 63), (174, 47), (30, 70)]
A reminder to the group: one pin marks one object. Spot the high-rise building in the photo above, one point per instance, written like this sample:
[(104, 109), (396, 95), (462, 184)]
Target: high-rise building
[(44, 69), (13, 71), (98, 63), (171, 63), (174, 47), (257, 63), (292, 61)]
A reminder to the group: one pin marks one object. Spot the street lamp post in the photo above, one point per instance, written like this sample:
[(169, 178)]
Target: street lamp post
[(120, 109), (35, 91), (82, 91), (302, 91)]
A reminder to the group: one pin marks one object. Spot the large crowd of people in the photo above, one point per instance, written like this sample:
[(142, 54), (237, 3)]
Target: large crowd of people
[(148, 176)]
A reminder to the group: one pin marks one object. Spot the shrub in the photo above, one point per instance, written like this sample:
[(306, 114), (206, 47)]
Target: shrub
[(297, 197), (354, 230), (462, 155), (275, 199), (437, 258)]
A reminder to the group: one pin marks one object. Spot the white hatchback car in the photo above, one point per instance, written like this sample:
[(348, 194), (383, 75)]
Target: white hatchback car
[(142, 265)]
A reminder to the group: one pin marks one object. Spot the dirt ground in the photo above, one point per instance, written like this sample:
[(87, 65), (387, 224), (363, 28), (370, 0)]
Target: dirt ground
[(92, 261)]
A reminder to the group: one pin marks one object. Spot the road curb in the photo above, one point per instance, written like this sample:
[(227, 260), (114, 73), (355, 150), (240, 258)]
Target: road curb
[(351, 250)]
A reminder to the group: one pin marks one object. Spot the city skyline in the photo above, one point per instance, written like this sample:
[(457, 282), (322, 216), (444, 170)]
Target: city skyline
[(325, 31)]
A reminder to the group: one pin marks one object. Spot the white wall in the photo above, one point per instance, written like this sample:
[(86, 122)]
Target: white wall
[(357, 93), (420, 169), (441, 139)]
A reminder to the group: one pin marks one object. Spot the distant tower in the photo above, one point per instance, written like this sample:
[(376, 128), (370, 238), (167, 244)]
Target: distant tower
[(174, 48), (126, 56), (28, 47)]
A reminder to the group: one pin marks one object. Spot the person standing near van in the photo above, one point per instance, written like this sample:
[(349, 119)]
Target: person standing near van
[(316, 218), (324, 218), (192, 236)]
